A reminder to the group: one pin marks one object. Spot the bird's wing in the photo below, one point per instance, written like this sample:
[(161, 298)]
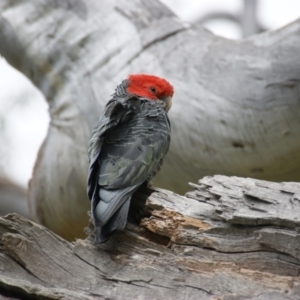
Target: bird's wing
[(126, 149), (113, 114), (133, 151)]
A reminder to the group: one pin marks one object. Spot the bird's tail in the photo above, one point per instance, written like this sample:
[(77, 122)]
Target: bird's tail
[(110, 210), (116, 222)]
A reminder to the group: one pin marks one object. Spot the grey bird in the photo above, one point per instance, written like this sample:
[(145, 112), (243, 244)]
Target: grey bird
[(127, 148)]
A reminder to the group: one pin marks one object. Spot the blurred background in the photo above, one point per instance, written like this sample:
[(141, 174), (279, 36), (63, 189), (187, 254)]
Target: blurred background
[(23, 111)]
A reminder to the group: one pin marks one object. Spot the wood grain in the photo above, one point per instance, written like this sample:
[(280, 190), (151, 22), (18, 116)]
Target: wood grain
[(217, 242)]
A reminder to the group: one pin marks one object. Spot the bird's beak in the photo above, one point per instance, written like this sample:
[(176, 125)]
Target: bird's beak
[(168, 101)]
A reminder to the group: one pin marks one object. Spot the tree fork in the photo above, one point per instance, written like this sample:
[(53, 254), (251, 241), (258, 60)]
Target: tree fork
[(235, 109)]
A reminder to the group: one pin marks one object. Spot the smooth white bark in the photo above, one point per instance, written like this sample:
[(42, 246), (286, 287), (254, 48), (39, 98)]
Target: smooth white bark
[(236, 104)]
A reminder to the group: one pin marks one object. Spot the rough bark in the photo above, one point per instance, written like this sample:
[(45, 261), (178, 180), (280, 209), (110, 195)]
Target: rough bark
[(230, 238), (236, 105)]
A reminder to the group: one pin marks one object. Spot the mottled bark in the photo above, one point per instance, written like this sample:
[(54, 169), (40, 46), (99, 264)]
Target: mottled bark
[(236, 105), (230, 238)]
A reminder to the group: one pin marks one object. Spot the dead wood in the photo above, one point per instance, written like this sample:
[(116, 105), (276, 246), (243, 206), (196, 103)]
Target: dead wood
[(229, 238)]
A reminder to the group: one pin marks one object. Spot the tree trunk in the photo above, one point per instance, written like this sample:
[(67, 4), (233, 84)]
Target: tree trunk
[(236, 105), (230, 238)]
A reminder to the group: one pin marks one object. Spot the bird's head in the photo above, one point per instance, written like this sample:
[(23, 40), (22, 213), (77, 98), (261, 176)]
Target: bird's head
[(151, 87)]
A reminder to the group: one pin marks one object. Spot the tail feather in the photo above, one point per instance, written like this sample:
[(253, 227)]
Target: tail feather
[(116, 222), (110, 210)]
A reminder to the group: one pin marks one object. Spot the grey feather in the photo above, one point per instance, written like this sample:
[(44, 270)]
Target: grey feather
[(126, 149)]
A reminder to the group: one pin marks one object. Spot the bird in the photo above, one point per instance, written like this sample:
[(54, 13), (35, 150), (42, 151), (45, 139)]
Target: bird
[(127, 148)]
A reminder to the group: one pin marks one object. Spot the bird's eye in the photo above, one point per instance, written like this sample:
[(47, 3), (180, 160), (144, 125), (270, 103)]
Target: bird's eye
[(153, 89)]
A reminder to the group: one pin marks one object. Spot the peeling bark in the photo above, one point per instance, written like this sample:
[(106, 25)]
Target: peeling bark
[(230, 238)]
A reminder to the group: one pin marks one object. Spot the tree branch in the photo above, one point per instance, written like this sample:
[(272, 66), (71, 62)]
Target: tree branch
[(230, 238), (236, 105)]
